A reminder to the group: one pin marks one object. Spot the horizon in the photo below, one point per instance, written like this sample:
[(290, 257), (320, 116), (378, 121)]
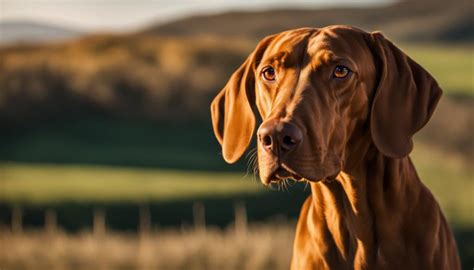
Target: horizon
[(122, 15)]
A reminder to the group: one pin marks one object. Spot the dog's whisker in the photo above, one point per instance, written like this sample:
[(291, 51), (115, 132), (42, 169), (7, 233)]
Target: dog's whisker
[(288, 185), (274, 185), (285, 184), (306, 185), (251, 157), (250, 152), (291, 182), (256, 171)]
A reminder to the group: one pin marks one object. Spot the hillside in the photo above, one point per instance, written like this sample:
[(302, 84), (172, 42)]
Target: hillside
[(127, 76), (408, 21), (12, 32)]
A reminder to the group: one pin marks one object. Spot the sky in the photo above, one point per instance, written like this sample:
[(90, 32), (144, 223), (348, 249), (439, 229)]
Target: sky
[(120, 15)]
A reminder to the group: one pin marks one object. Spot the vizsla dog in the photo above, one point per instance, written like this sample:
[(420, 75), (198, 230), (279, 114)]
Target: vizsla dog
[(339, 107)]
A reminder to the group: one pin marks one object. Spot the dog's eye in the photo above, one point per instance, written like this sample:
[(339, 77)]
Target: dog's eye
[(268, 74), (341, 72)]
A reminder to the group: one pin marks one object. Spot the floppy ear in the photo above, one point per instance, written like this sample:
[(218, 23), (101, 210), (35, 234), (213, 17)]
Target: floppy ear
[(404, 100), (233, 120)]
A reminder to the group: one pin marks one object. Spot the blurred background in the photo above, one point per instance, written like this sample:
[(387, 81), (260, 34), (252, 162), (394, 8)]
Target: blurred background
[(107, 156)]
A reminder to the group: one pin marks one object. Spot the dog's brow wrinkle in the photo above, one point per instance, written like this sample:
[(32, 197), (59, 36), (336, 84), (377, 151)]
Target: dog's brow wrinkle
[(324, 56), (278, 58), (329, 33)]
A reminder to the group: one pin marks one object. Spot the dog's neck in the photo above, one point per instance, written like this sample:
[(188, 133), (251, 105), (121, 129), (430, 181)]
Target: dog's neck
[(347, 208)]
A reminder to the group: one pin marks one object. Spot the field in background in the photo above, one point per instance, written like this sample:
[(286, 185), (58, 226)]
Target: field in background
[(450, 65), (56, 183), (237, 245), (265, 246), (448, 175), (259, 247)]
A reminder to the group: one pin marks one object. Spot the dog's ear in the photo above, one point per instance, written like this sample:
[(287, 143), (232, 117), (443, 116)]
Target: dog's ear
[(233, 120), (404, 100)]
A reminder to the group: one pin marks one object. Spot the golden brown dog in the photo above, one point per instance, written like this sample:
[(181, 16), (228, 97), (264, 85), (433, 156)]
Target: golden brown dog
[(339, 107)]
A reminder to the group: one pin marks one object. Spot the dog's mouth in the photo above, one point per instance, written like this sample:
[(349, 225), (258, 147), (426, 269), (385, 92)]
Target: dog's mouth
[(283, 172)]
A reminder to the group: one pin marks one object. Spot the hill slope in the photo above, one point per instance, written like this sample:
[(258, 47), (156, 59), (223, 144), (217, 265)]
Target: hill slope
[(405, 21), (28, 32)]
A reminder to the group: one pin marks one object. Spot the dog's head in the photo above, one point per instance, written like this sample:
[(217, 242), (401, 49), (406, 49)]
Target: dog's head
[(320, 92)]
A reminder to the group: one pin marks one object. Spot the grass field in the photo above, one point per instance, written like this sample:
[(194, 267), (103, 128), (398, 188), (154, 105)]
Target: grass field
[(452, 66), (447, 175), (50, 183), (260, 247)]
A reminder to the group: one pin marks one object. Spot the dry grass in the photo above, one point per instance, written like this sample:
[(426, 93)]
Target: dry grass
[(140, 76), (260, 247)]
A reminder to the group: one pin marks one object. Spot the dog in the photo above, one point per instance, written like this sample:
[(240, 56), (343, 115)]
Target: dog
[(339, 107)]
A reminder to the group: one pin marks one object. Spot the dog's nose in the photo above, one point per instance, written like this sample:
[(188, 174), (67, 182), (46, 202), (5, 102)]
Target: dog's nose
[(279, 137)]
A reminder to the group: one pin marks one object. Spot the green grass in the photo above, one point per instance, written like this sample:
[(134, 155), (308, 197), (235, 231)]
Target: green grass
[(53, 183), (104, 141), (448, 177), (452, 66), (451, 179)]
